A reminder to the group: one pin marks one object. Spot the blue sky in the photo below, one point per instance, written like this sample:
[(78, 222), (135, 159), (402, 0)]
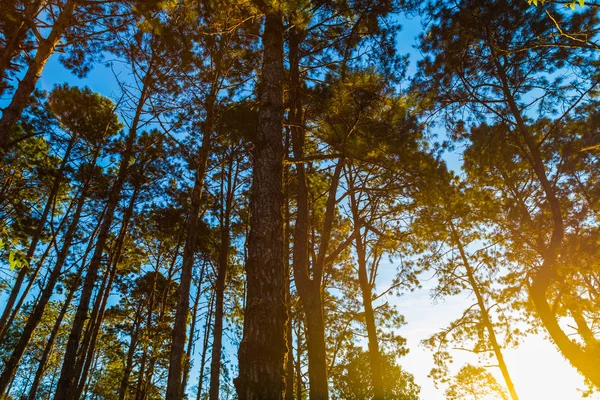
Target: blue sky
[(538, 369)]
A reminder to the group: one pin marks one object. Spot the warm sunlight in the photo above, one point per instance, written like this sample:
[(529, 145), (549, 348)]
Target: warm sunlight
[(299, 200)]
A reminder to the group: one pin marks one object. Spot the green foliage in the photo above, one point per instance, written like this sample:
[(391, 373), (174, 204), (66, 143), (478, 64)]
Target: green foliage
[(352, 381), (511, 89), (84, 113), (475, 383), (567, 4)]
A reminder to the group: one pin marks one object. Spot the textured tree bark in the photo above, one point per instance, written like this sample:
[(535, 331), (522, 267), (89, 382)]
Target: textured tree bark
[(263, 348), (315, 343), (12, 112), (36, 316), (309, 289)]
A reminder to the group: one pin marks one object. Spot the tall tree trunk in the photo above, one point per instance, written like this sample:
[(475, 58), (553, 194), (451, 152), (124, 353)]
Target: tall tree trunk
[(485, 316), (583, 359), (188, 355), (93, 329), (207, 330), (222, 266), (40, 263), (12, 112), (309, 289), (41, 369), (290, 372), (215, 364), (315, 343), (367, 291), (67, 383), (289, 368), (36, 316), (263, 348), (299, 382), (129, 361), (10, 302), (176, 358), (141, 374)]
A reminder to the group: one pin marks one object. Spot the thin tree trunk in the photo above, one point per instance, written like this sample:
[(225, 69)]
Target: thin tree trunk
[(129, 363), (309, 289), (12, 112), (263, 348), (67, 383), (87, 386), (140, 380), (52, 338), (366, 291), (89, 342), (222, 266), (583, 359), (85, 353), (188, 356), (183, 293), (485, 316), (299, 362), (36, 316), (289, 373), (10, 302), (143, 374), (40, 263), (205, 344), (10, 385), (374, 354)]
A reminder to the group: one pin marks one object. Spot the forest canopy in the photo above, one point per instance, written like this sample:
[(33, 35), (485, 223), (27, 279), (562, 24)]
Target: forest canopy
[(269, 188)]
